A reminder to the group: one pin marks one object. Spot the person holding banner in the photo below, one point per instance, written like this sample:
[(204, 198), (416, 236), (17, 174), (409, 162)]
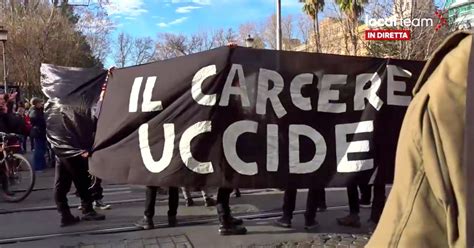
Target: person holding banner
[(313, 201), (362, 179), (146, 222), (228, 224), (70, 128)]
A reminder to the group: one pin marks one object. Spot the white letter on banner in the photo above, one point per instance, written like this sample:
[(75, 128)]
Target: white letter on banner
[(152, 165), (196, 89), (296, 166), (397, 86), (229, 142), (264, 93), (272, 147), (303, 103), (370, 94), (240, 90), (133, 104), (344, 147), (185, 148), (326, 94), (148, 105)]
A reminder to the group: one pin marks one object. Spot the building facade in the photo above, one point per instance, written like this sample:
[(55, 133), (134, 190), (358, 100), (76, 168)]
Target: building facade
[(335, 39), (460, 13)]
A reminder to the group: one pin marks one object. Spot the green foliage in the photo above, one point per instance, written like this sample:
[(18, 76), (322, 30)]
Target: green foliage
[(353, 8), (312, 7)]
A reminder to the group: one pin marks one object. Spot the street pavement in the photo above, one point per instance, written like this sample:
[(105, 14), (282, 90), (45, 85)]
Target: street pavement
[(35, 222)]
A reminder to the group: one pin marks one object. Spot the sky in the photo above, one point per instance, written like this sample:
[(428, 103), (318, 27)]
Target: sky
[(142, 18), (149, 17)]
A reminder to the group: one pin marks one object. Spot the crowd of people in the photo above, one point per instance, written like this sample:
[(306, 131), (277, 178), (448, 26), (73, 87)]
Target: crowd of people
[(26, 118)]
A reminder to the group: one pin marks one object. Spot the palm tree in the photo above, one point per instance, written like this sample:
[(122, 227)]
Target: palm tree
[(352, 9), (312, 9)]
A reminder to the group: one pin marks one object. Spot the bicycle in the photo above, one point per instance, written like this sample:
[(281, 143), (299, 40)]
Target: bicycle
[(17, 176)]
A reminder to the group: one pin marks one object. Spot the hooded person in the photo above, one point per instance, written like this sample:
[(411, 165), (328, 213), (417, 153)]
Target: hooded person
[(427, 204), (70, 130)]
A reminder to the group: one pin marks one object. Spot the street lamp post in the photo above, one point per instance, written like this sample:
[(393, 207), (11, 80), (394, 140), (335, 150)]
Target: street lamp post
[(3, 39), (278, 24), (249, 41)]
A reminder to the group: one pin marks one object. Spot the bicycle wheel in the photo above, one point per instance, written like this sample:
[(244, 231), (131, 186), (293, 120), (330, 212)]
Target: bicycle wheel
[(20, 178)]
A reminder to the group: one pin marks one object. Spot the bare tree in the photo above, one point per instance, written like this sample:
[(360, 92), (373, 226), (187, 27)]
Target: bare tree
[(123, 51), (97, 27), (305, 26), (39, 33), (289, 39), (143, 50), (173, 45)]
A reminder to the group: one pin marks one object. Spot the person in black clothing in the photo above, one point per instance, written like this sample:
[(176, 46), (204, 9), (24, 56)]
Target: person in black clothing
[(316, 198), (365, 195), (361, 180), (71, 140), (378, 203), (173, 201), (38, 133), (353, 219), (228, 224), (69, 170)]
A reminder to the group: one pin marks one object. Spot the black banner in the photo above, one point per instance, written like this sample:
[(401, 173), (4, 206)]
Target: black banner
[(72, 97), (254, 119)]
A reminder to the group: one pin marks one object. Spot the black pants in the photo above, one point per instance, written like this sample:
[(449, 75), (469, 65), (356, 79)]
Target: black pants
[(353, 195), (365, 192), (223, 201), (97, 190), (316, 198), (70, 170), (173, 201), (378, 203)]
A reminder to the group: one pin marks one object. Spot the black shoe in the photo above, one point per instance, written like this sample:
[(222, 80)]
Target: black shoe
[(92, 215), (283, 222), (69, 220), (232, 230), (172, 222), (352, 220), (310, 225), (145, 223), (209, 202), (189, 202)]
